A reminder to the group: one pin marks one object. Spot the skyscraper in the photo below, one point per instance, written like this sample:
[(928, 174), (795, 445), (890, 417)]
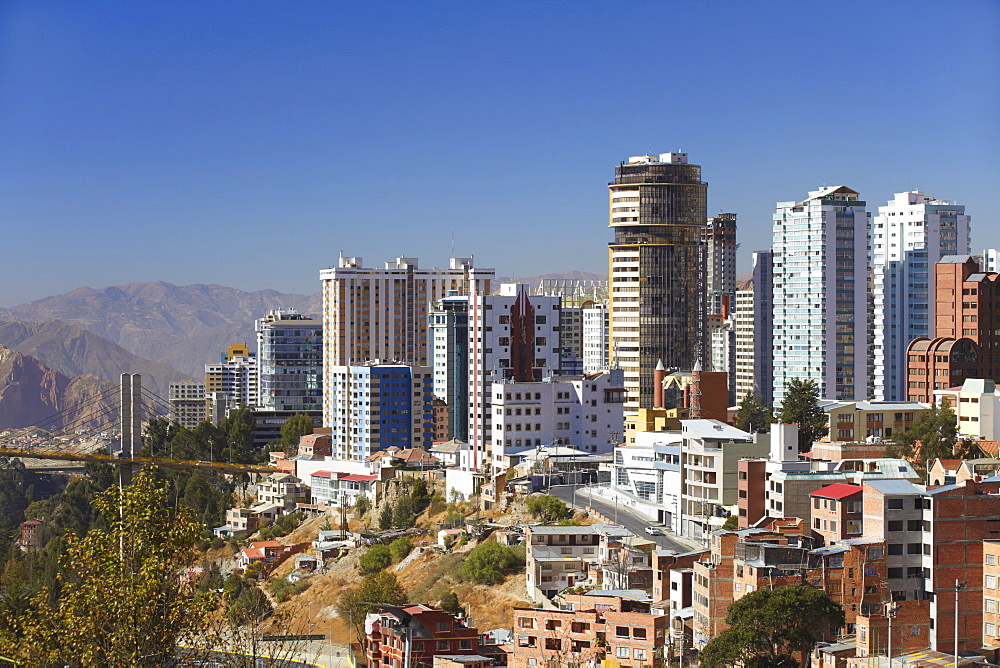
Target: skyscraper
[(290, 362), (656, 269), (909, 235), (381, 314), (448, 329), (754, 337), (821, 320), (720, 262)]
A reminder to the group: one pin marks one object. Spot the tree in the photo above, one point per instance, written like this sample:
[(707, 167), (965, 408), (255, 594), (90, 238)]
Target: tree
[(362, 505), (753, 415), (451, 605), (768, 626), (295, 428), (932, 434), (400, 548), (128, 572), (385, 517), (489, 563), (404, 513), (380, 587), (376, 558), (801, 407), (548, 508)]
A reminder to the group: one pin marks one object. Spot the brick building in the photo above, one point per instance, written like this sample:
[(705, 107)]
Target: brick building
[(836, 512), (429, 631), (966, 339), (594, 626)]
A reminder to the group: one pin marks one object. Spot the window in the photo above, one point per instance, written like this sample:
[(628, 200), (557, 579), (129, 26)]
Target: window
[(443, 627), (895, 525), (914, 525), (638, 633), (894, 504), (442, 645), (991, 582), (991, 605), (638, 653), (914, 630), (991, 559), (621, 631), (895, 548), (532, 662), (895, 573), (621, 652)]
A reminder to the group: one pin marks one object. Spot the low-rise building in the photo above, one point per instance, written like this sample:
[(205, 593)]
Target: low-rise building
[(282, 490), (419, 630), (559, 557), (836, 512)]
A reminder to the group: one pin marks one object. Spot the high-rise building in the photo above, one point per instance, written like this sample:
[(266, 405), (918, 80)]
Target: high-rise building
[(570, 340), (909, 235), (381, 314), (231, 383), (989, 260), (966, 338), (376, 406), (448, 329), (656, 269), (187, 402), (513, 336), (720, 261), (290, 362), (821, 318), (595, 338), (754, 339)]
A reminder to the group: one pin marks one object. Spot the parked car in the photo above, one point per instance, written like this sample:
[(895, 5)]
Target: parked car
[(653, 531)]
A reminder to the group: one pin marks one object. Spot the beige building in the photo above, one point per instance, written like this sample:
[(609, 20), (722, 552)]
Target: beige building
[(977, 407)]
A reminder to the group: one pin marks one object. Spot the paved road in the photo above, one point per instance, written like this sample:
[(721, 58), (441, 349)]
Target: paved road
[(627, 517)]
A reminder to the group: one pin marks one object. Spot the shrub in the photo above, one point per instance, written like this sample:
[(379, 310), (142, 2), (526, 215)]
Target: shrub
[(548, 508), (400, 547), (489, 562), (376, 558), (282, 589)]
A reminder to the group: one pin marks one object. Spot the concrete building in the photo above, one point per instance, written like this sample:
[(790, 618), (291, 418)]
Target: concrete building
[(821, 294), (977, 408), (710, 452), (909, 235), (647, 474), (231, 382), (558, 557), (719, 237), (966, 333), (513, 337), (595, 338), (187, 402), (448, 329), (375, 406), (290, 362), (753, 322), (584, 412), (570, 340), (656, 269)]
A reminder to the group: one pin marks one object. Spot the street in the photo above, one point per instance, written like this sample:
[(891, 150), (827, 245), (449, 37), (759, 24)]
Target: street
[(628, 518)]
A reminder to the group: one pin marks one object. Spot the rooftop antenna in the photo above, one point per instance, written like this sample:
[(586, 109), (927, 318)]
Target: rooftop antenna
[(453, 243)]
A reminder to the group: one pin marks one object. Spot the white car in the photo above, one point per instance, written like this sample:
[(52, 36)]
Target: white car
[(653, 531)]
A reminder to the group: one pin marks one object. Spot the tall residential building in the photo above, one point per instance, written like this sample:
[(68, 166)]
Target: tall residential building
[(965, 341), (514, 337), (187, 402), (909, 235), (231, 383), (754, 337), (989, 260), (381, 314), (376, 406), (570, 340), (821, 319), (448, 329), (656, 269), (720, 261), (290, 362), (595, 337)]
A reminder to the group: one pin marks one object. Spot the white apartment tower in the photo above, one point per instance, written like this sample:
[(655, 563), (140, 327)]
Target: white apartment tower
[(381, 314), (754, 331), (909, 235), (514, 337), (595, 338), (720, 262), (821, 319)]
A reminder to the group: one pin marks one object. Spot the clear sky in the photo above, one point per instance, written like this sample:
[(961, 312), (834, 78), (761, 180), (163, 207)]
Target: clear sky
[(247, 143)]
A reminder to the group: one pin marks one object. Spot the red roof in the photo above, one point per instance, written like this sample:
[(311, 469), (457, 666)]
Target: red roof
[(265, 543), (837, 490), (951, 464), (323, 474), (357, 477)]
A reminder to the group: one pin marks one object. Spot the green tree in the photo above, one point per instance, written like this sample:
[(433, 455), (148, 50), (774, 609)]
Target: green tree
[(380, 587), (489, 563), (547, 508), (768, 627), (375, 558), (385, 517), (295, 427), (129, 573), (451, 605), (362, 505), (801, 407), (400, 548), (404, 513), (932, 434), (732, 523), (753, 415)]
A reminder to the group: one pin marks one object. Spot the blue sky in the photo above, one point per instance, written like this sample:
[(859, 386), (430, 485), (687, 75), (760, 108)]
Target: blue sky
[(247, 143)]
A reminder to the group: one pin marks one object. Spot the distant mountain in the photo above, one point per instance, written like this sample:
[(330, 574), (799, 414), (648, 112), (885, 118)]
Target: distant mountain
[(180, 326), (74, 351), (31, 393)]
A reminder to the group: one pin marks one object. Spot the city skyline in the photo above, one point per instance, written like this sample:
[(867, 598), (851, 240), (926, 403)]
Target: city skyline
[(158, 142)]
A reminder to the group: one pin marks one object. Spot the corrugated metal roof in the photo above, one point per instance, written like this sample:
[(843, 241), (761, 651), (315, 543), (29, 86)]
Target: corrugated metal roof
[(713, 429), (894, 487)]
